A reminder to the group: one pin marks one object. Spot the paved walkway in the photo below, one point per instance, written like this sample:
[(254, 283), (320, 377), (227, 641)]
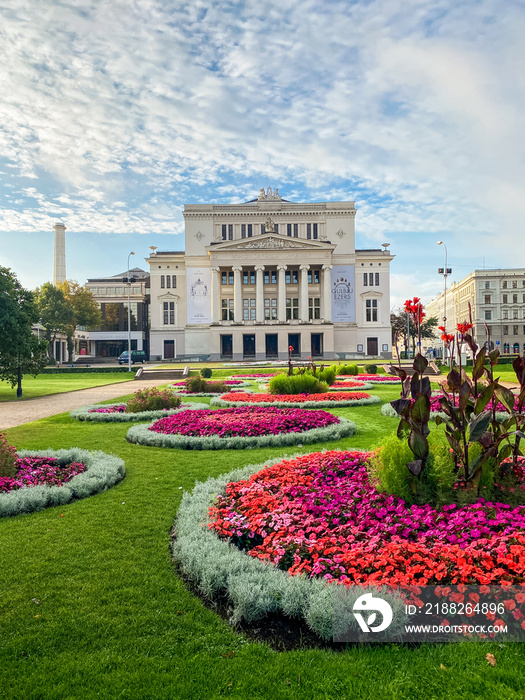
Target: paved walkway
[(13, 413)]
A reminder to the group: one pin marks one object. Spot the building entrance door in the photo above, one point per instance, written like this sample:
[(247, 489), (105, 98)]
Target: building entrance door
[(294, 341), (316, 346), (271, 345), (169, 349), (372, 347), (248, 345), (226, 345)]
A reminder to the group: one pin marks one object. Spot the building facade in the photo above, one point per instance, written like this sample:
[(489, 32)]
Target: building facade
[(112, 294), (497, 299), (259, 278)]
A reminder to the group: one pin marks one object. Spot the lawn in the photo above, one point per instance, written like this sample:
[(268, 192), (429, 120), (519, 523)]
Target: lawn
[(45, 384), (92, 607)]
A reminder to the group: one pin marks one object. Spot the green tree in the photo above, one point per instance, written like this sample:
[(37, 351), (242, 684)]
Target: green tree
[(21, 352), (55, 311), (86, 311), (399, 323)]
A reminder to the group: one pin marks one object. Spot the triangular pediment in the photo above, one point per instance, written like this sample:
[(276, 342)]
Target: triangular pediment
[(270, 241)]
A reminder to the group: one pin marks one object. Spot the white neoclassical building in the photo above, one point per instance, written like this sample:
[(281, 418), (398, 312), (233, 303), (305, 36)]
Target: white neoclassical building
[(258, 278)]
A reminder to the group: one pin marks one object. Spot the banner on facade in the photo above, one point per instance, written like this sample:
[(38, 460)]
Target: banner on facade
[(343, 293), (198, 293)]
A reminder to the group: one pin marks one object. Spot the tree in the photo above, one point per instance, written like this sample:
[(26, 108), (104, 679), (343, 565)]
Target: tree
[(398, 321), (55, 312), (86, 311), (21, 352)]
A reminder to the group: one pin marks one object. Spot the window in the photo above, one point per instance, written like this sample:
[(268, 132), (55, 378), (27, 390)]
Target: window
[(226, 277), (291, 276), (371, 309), (248, 277), (270, 309), (504, 284), (515, 313), (516, 348), (505, 330), (308, 230), (296, 230), (248, 309), (488, 315), (487, 285), (292, 308), (377, 279), (270, 277), (314, 308), (505, 314), (276, 228), (515, 330), (506, 348), (262, 228), (168, 281), (224, 232), (313, 276), (514, 284), (168, 309), (359, 347), (505, 298), (288, 229), (523, 300), (162, 281), (384, 347), (514, 298), (227, 309), (243, 230), (487, 298), (365, 279)]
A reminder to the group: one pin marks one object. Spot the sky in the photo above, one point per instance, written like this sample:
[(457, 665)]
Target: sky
[(113, 115)]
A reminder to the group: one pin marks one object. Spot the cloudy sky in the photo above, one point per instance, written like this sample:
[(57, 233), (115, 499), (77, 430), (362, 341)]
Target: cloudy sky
[(115, 114)]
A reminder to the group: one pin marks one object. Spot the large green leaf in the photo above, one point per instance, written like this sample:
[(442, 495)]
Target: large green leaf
[(420, 411), (401, 406), (454, 380), (479, 425), (420, 363), (505, 396), (484, 398), (493, 357), (415, 467), (477, 369), (464, 394), (418, 444)]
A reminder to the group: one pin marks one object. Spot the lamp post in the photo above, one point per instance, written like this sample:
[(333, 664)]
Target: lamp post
[(129, 317), (444, 271)]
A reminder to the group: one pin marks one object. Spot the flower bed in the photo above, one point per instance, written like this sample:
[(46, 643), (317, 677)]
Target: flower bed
[(229, 382), (349, 385), (350, 398), (115, 413), (318, 515), (51, 478), (435, 408), (374, 378), (238, 428), (262, 375)]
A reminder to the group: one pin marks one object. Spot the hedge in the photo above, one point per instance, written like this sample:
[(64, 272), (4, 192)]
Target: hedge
[(254, 589), (84, 414), (102, 472), (141, 435), (84, 370)]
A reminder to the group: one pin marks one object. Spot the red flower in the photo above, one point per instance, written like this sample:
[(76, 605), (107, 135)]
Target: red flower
[(464, 327), (415, 308)]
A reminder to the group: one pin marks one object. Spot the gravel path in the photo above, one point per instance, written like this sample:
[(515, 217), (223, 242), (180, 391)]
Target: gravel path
[(13, 413)]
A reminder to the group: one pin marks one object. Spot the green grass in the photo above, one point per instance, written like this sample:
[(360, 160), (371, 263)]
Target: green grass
[(113, 620), (46, 384)]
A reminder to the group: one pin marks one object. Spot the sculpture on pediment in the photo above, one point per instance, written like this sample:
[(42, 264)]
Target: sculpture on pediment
[(270, 243), (268, 195), (269, 226)]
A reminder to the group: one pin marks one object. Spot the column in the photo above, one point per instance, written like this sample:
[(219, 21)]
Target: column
[(237, 294), (259, 293), (303, 293), (326, 298), (215, 294), (281, 293)]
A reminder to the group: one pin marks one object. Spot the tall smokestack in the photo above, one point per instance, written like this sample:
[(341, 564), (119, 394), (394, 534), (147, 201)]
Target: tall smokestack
[(59, 272)]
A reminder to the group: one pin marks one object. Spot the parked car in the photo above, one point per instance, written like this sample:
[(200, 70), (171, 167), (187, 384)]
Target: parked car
[(136, 356)]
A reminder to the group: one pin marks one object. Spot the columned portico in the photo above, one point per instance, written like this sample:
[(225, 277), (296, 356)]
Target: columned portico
[(259, 293), (237, 294), (281, 293)]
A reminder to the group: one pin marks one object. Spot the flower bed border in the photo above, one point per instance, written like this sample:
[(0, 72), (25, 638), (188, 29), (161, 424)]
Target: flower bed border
[(379, 382), (210, 394), (305, 404), (102, 472), (83, 413), (254, 588), (141, 435)]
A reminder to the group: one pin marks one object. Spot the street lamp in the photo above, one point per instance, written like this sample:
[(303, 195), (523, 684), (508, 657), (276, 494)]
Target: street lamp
[(129, 317), (444, 271)]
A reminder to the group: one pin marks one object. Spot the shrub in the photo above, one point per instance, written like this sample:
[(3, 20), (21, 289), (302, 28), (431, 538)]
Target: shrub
[(198, 385), (296, 384), (346, 369), (152, 400), (370, 369), (327, 375), (7, 457), (206, 372)]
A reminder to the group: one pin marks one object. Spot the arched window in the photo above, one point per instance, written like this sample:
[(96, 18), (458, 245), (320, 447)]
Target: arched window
[(516, 348), (506, 348)]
